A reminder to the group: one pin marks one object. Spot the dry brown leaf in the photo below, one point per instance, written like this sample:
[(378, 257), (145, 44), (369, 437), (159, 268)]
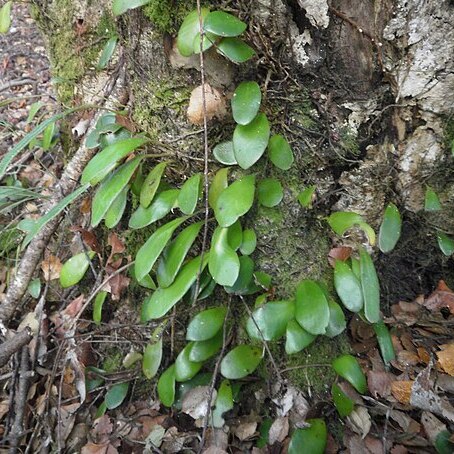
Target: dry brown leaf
[(401, 390), (339, 253), (245, 430), (432, 426), (51, 267), (117, 284), (214, 102), (442, 297), (116, 244), (360, 421), (93, 448), (446, 358), (407, 358), (278, 430), (102, 428), (399, 449), (379, 383), (195, 401)]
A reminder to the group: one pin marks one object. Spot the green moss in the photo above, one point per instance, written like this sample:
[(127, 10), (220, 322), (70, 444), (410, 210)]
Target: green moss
[(167, 15), (113, 361), (449, 132), (349, 142)]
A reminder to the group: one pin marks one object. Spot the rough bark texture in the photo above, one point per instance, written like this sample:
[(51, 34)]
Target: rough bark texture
[(363, 89)]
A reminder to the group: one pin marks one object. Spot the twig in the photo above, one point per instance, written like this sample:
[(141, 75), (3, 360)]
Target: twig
[(17, 83), (13, 345)]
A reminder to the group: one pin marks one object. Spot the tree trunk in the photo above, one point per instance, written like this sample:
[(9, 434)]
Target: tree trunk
[(363, 90)]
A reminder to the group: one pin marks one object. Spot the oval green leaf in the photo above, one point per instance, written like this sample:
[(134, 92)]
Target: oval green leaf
[(280, 152), (344, 405), (244, 285), (390, 229), (306, 197), (235, 201), (223, 24), (348, 287), (203, 350), (107, 52), (174, 254), (431, 200), (224, 403), (106, 160), (223, 153), (208, 40), (310, 439), (312, 310), (116, 395), (224, 264), (269, 321), (188, 31), (347, 367), (249, 242), (445, 243), (250, 141), (206, 324), (384, 342), (370, 286), (151, 184), (337, 322), (97, 306), (185, 369), (75, 268), (190, 193), (270, 192), (341, 221), (235, 236), (246, 102), (297, 338), (110, 189), (152, 357), (163, 299), (219, 183), (235, 50), (121, 6), (241, 362), (116, 210), (166, 386), (5, 17), (150, 251), (161, 207)]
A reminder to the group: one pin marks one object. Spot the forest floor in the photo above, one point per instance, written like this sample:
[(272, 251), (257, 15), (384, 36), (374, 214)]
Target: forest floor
[(407, 409)]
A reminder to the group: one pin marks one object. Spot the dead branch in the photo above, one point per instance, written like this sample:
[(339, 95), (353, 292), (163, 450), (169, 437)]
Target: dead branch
[(13, 345)]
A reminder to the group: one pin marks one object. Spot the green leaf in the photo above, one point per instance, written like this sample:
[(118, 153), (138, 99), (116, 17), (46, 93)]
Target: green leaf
[(384, 342), (297, 338), (188, 32), (161, 207), (337, 323), (241, 361), (244, 284), (348, 287), (445, 243), (224, 264), (246, 102), (312, 310), (347, 367), (151, 184), (107, 52), (48, 135), (341, 221), (235, 201), (121, 6), (356, 268), (250, 141), (101, 410), (280, 152), (116, 395), (34, 288), (174, 254), (443, 443), (344, 405), (97, 307), (310, 439), (208, 40), (203, 350), (51, 214), (110, 189), (5, 17), (206, 324), (185, 369), (190, 193), (306, 197), (34, 109), (370, 286), (249, 242), (218, 185), (224, 403), (270, 320), (106, 160), (270, 192), (166, 386), (235, 50), (431, 200), (152, 359), (75, 268), (116, 210), (163, 299), (137, 182), (223, 153), (150, 251), (390, 229), (223, 24), (235, 236)]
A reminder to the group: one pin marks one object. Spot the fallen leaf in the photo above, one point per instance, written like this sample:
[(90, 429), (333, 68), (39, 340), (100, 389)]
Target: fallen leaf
[(81, 128), (245, 430), (215, 105), (117, 284), (401, 390), (399, 449), (432, 426), (360, 421), (442, 297), (51, 267), (67, 417), (126, 122), (379, 383), (93, 448), (446, 358), (102, 428), (278, 430), (116, 244), (339, 253), (195, 401)]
